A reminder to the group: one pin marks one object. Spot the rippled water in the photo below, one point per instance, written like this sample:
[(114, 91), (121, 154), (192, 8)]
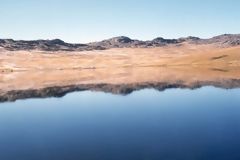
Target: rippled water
[(174, 124)]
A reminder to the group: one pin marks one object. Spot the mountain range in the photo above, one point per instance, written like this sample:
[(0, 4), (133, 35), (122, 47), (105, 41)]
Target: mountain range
[(225, 40)]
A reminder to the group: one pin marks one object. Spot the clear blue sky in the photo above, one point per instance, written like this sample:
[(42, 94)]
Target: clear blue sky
[(91, 20)]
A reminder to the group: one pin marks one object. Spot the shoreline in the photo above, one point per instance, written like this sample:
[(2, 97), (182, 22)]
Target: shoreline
[(187, 66)]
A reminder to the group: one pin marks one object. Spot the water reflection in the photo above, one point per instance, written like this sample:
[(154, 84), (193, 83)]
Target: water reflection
[(41, 84), (173, 124)]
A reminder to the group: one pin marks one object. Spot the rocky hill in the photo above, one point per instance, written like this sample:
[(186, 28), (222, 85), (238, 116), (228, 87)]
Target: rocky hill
[(44, 45), (226, 40)]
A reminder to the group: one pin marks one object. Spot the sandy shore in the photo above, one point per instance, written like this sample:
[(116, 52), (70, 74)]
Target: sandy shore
[(187, 55), (23, 70)]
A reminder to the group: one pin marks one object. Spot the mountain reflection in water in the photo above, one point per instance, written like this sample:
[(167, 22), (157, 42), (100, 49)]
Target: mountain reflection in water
[(147, 124), (123, 81)]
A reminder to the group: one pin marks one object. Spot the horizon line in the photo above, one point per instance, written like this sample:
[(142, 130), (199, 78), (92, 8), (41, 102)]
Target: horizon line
[(51, 39)]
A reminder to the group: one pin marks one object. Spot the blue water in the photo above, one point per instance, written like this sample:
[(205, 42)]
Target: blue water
[(176, 124)]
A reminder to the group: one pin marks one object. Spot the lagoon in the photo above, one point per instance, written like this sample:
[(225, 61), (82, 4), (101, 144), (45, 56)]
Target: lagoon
[(175, 124)]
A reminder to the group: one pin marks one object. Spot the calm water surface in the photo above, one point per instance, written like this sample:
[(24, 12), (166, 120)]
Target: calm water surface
[(177, 124)]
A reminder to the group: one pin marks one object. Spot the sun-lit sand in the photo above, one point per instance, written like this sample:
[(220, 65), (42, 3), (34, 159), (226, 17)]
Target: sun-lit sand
[(188, 63)]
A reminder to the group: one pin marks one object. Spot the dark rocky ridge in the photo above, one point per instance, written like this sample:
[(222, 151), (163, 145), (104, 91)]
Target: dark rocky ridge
[(45, 45), (226, 40), (120, 89)]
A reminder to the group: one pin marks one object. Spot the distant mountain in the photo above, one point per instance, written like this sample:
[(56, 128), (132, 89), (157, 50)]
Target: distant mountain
[(226, 40), (44, 45)]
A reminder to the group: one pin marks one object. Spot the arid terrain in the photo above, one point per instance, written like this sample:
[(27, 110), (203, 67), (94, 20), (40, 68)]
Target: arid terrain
[(120, 70)]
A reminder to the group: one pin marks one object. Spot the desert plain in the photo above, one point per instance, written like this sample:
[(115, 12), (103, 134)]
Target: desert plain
[(185, 65)]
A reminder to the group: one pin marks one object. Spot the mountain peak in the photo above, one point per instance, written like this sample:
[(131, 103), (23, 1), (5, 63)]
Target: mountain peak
[(57, 41), (190, 38), (121, 39)]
